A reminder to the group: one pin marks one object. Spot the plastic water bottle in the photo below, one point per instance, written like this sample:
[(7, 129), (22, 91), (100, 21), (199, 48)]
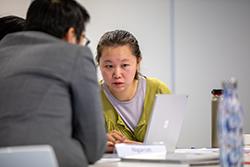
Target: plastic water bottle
[(216, 99), (230, 124)]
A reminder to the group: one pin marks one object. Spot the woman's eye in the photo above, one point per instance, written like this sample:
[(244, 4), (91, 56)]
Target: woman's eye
[(125, 65), (108, 66)]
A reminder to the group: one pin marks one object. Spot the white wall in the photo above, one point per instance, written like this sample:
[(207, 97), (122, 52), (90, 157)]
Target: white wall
[(212, 44), (14, 7), (211, 39), (146, 19)]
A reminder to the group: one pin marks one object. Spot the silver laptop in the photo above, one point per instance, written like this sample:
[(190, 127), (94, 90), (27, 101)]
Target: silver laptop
[(164, 128), (166, 120), (28, 156)]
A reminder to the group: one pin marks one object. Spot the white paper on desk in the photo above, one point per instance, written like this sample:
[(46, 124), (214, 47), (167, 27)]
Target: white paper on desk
[(198, 150), (125, 150), (176, 158), (183, 156)]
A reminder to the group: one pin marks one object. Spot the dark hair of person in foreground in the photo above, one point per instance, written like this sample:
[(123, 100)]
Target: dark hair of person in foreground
[(11, 24)]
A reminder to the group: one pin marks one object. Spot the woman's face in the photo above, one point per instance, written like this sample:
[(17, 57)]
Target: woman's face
[(118, 67)]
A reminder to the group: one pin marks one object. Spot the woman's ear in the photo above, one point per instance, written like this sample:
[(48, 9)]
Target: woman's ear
[(70, 36), (138, 63), (139, 60)]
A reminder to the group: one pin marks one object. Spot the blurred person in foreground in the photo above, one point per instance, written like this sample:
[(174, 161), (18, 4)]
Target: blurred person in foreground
[(48, 84)]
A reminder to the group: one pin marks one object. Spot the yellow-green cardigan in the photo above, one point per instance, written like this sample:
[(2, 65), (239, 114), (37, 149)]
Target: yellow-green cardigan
[(113, 120)]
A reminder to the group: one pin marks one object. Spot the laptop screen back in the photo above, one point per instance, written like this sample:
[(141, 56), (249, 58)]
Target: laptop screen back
[(166, 120), (28, 156)]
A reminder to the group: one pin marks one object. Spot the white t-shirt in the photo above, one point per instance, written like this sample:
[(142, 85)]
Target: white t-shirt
[(130, 111)]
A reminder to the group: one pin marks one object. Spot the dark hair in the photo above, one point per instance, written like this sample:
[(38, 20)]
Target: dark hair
[(119, 38), (55, 17), (10, 24)]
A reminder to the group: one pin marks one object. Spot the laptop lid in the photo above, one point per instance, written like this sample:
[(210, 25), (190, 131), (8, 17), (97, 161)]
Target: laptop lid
[(28, 156), (166, 120)]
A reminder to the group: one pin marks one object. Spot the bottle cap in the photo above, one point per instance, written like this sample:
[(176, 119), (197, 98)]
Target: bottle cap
[(217, 92)]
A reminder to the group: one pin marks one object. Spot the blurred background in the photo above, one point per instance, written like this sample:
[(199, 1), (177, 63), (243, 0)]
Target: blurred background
[(190, 45)]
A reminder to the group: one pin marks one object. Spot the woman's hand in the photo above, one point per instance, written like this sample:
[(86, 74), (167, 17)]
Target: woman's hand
[(127, 141), (115, 137)]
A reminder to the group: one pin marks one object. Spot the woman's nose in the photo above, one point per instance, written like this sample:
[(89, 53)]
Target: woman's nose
[(117, 73)]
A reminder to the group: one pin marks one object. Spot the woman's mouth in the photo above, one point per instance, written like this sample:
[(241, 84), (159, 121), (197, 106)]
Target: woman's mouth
[(118, 83)]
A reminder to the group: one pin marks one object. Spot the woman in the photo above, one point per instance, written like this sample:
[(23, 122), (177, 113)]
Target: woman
[(127, 96)]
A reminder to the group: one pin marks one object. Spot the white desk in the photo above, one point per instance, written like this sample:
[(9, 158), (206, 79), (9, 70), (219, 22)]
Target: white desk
[(112, 160), (109, 162)]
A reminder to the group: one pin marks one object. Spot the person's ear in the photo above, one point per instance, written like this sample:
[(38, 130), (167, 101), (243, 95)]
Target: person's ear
[(138, 63), (70, 36), (139, 60)]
